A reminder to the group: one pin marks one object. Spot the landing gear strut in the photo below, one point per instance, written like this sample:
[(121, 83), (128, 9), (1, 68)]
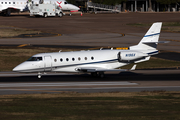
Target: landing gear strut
[(97, 74), (39, 75)]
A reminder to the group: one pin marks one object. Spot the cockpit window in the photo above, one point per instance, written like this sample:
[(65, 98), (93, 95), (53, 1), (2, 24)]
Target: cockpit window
[(35, 59), (65, 3)]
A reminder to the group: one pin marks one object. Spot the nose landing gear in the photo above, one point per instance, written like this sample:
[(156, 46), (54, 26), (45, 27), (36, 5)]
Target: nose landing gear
[(39, 75)]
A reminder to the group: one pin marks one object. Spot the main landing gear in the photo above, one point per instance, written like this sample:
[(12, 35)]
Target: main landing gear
[(97, 74)]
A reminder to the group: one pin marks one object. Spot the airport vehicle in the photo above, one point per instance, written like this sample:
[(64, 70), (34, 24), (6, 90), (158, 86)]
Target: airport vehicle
[(6, 7), (95, 62), (45, 10)]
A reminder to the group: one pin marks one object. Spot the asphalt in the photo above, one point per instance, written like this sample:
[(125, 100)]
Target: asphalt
[(136, 81), (88, 31)]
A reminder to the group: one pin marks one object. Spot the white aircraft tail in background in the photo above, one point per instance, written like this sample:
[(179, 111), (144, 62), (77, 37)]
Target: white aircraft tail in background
[(95, 62)]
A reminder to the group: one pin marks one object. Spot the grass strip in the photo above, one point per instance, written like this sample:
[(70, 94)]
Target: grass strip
[(10, 31), (167, 26), (154, 105)]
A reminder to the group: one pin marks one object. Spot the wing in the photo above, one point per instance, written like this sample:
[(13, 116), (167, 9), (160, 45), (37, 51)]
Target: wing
[(99, 69)]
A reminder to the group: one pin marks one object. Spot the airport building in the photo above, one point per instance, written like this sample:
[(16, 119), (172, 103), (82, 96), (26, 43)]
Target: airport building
[(129, 6)]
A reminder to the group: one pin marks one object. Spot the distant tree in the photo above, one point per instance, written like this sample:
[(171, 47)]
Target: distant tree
[(71, 1), (167, 3), (150, 6), (109, 2)]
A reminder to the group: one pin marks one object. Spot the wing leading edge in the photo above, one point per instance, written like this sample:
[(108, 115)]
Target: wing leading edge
[(99, 69)]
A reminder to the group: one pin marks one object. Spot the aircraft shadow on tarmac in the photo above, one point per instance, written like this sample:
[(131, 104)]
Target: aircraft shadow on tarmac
[(123, 76)]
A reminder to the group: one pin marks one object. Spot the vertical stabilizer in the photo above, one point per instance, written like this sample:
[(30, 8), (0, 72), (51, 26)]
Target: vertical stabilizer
[(150, 40)]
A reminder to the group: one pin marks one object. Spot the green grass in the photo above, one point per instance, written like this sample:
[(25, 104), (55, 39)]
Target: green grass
[(167, 26), (155, 63), (99, 106), (10, 31)]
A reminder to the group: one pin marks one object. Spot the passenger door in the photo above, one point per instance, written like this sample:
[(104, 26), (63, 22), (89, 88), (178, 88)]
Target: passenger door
[(47, 63)]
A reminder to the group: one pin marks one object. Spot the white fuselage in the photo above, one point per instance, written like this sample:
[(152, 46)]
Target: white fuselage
[(71, 61), (21, 5)]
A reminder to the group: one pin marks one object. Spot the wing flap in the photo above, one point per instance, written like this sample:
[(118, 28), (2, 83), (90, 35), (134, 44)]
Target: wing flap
[(99, 69)]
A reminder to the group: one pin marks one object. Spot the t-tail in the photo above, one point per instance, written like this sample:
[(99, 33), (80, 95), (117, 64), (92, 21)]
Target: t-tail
[(150, 40)]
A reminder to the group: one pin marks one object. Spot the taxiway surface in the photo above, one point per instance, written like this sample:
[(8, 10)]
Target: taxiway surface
[(140, 80), (92, 30)]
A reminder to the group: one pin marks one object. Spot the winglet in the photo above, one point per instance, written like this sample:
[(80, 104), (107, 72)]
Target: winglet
[(133, 68)]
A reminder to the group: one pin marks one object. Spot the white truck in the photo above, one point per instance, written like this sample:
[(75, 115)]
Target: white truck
[(45, 10)]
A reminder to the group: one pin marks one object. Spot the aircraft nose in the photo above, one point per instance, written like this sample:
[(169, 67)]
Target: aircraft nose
[(17, 68), (20, 67), (75, 7)]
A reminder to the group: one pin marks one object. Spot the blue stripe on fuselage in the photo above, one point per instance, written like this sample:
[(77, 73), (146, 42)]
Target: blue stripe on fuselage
[(151, 53), (151, 35)]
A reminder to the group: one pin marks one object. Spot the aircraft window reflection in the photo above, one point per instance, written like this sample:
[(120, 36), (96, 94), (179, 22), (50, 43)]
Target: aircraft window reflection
[(35, 59)]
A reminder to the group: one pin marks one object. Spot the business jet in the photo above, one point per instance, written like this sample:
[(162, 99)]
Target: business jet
[(8, 6), (95, 62)]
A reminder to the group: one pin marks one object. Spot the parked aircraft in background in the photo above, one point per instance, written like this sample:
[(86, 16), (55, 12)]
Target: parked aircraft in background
[(95, 62), (8, 6)]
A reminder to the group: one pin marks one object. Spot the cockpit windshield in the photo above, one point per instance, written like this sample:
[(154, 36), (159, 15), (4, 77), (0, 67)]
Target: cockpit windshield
[(35, 59)]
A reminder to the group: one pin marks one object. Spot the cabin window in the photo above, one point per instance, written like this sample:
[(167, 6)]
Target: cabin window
[(92, 58), (35, 59), (55, 60), (61, 59), (9, 2), (79, 58), (85, 58), (13, 2), (65, 2), (73, 59), (1, 2), (5, 2), (67, 59)]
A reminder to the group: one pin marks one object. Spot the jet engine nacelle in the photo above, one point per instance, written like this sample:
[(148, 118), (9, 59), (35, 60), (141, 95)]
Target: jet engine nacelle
[(130, 56)]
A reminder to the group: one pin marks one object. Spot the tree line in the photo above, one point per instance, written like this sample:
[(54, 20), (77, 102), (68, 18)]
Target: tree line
[(115, 2)]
